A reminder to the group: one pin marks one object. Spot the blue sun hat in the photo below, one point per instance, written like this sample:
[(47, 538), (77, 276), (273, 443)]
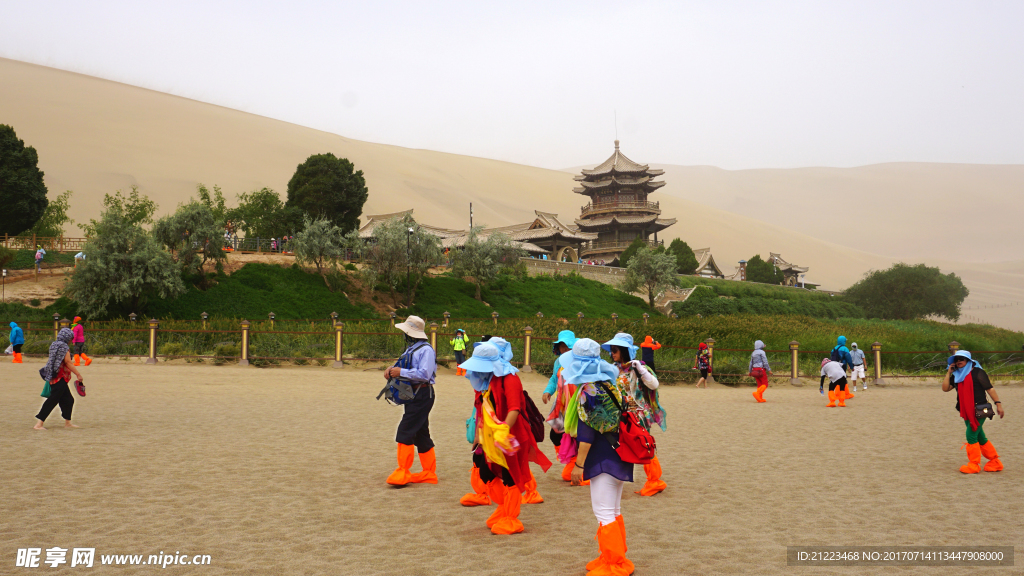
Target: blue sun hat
[(624, 340), (960, 373), (567, 337), (584, 364)]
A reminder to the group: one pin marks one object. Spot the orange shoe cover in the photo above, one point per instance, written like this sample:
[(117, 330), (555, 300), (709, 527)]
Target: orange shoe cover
[(654, 482), (622, 529), (849, 393), (401, 475), (78, 359), (531, 496), (509, 522), (612, 541), (17, 358), (478, 497), (429, 473), (989, 452), (759, 394), (496, 490), (973, 459), (87, 359), (567, 471), (831, 399), (841, 397)]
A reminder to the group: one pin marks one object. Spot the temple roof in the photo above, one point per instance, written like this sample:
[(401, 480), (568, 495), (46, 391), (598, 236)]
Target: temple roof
[(618, 162), (546, 225), (706, 263), (374, 220), (659, 223), (586, 186), (781, 264)]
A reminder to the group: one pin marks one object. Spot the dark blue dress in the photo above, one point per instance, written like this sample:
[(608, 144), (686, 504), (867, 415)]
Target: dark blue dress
[(602, 458)]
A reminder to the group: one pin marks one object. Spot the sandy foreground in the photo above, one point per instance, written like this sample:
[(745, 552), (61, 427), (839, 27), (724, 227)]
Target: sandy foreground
[(281, 471)]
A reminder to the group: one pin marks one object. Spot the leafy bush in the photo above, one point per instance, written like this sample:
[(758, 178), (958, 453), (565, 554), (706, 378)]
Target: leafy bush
[(35, 302), (172, 350), (351, 267), (228, 350)]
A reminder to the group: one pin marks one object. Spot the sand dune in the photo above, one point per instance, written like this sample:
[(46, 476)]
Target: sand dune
[(95, 136)]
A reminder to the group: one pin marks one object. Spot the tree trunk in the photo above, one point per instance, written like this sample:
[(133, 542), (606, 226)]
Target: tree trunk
[(478, 296)]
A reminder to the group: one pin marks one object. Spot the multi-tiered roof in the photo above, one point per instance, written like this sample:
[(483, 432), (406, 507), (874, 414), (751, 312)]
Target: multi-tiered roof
[(619, 210)]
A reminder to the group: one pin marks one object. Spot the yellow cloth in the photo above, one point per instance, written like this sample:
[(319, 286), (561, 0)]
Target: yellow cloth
[(493, 435)]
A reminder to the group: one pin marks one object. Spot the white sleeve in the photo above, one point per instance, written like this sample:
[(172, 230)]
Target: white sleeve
[(649, 379)]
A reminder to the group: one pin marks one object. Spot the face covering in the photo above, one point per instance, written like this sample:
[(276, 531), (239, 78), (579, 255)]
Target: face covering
[(479, 380)]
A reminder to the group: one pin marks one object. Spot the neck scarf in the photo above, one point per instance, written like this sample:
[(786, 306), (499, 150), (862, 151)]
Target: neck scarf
[(965, 393), (480, 381)]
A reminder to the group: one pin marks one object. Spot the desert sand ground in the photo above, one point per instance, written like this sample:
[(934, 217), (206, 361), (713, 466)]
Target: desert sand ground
[(281, 471)]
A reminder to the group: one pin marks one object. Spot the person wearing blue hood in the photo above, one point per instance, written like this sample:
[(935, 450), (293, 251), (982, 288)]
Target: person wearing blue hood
[(632, 373), (561, 392), (971, 382), (841, 354), (17, 340)]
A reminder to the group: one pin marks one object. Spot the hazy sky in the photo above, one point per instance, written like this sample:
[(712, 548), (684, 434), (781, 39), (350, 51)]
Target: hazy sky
[(733, 84)]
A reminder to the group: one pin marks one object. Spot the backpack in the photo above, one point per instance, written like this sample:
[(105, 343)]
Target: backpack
[(836, 355), (397, 391), (534, 417)]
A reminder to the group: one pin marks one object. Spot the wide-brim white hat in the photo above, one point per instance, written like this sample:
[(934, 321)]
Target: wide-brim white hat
[(413, 326)]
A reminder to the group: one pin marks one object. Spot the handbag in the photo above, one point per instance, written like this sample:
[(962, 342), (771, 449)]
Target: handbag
[(471, 428), (635, 444), (982, 411), (46, 389)]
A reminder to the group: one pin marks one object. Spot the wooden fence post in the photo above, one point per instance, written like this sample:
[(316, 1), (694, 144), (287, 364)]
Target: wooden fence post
[(392, 315), (244, 360), (339, 344), (433, 336), (646, 316), (271, 316), (711, 359), (153, 325), (527, 342), (494, 315), (794, 369), (877, 349), (205, 316), (56, 324), (447, 315)]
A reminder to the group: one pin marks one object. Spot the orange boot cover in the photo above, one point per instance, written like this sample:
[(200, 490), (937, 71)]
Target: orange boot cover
[(401, 475), (993, 464), (849, 392), (654, 482), (760, 393), (622, 528), (429, 473), (496, 490), (87, 359), (478, 497), (531, 496), (612, 542), (831, 398), (841, 397), (78, 359), (567, 471), (973, 459), (509, 522), (17, 358)]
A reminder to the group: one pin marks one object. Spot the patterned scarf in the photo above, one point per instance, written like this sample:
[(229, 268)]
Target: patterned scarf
[(58, 351)]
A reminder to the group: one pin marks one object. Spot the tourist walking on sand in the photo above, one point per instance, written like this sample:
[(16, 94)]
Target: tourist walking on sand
[(837, 382), (597, 402), (79, 342), (644, 399), (647, 348), (565, 445), (459, 346), (703, 363), (57, 373), (840, 353), (417, 367), (17, 338), (858, 363), (971, 382), (759, 370), (504, 444)]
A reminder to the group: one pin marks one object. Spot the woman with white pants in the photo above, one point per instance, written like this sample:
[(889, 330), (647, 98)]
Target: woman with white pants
[(596, 460)]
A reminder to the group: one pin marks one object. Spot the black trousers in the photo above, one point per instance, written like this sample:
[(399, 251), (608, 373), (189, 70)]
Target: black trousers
[(460, 356), (841, 384), (17, 348), (60, 394), (79, 348), (415, 425), (556, 437), (485, 472)]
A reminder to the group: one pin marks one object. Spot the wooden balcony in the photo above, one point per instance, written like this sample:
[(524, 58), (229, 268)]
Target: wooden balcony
[(597, 247), (609, 207)]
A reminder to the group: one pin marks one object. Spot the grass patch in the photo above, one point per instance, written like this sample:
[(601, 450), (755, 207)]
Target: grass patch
[(751, 298), (26, 259)]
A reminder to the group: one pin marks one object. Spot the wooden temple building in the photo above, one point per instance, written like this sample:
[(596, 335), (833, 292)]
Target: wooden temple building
[(619, 211)]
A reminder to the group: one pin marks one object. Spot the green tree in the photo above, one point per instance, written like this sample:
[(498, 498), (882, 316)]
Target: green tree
[(686, 261), (126, 264), (764, 272), (482, 259), (329, 187), (650, 271), (401, 252), (6, 255), (639, 244), (194, 236), (55, 217), (261, 214), (22, 191), (320, 243), (215, 202), (906, 292)]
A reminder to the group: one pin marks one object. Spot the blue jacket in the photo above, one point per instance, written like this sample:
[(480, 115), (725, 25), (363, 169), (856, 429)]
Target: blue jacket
[(844, 353), (17, 336)]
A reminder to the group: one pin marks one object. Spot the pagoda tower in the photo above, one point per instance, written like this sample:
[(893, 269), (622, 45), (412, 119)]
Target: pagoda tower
[(619, 211)]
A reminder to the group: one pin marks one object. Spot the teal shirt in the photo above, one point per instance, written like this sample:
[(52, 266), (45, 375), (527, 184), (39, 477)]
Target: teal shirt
[(553, 381)]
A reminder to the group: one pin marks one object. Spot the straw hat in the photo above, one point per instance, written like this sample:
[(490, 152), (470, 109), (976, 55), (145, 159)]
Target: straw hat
[(413, 326)]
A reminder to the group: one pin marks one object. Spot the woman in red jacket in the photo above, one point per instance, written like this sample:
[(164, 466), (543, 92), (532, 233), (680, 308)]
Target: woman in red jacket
[(504, 445)]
